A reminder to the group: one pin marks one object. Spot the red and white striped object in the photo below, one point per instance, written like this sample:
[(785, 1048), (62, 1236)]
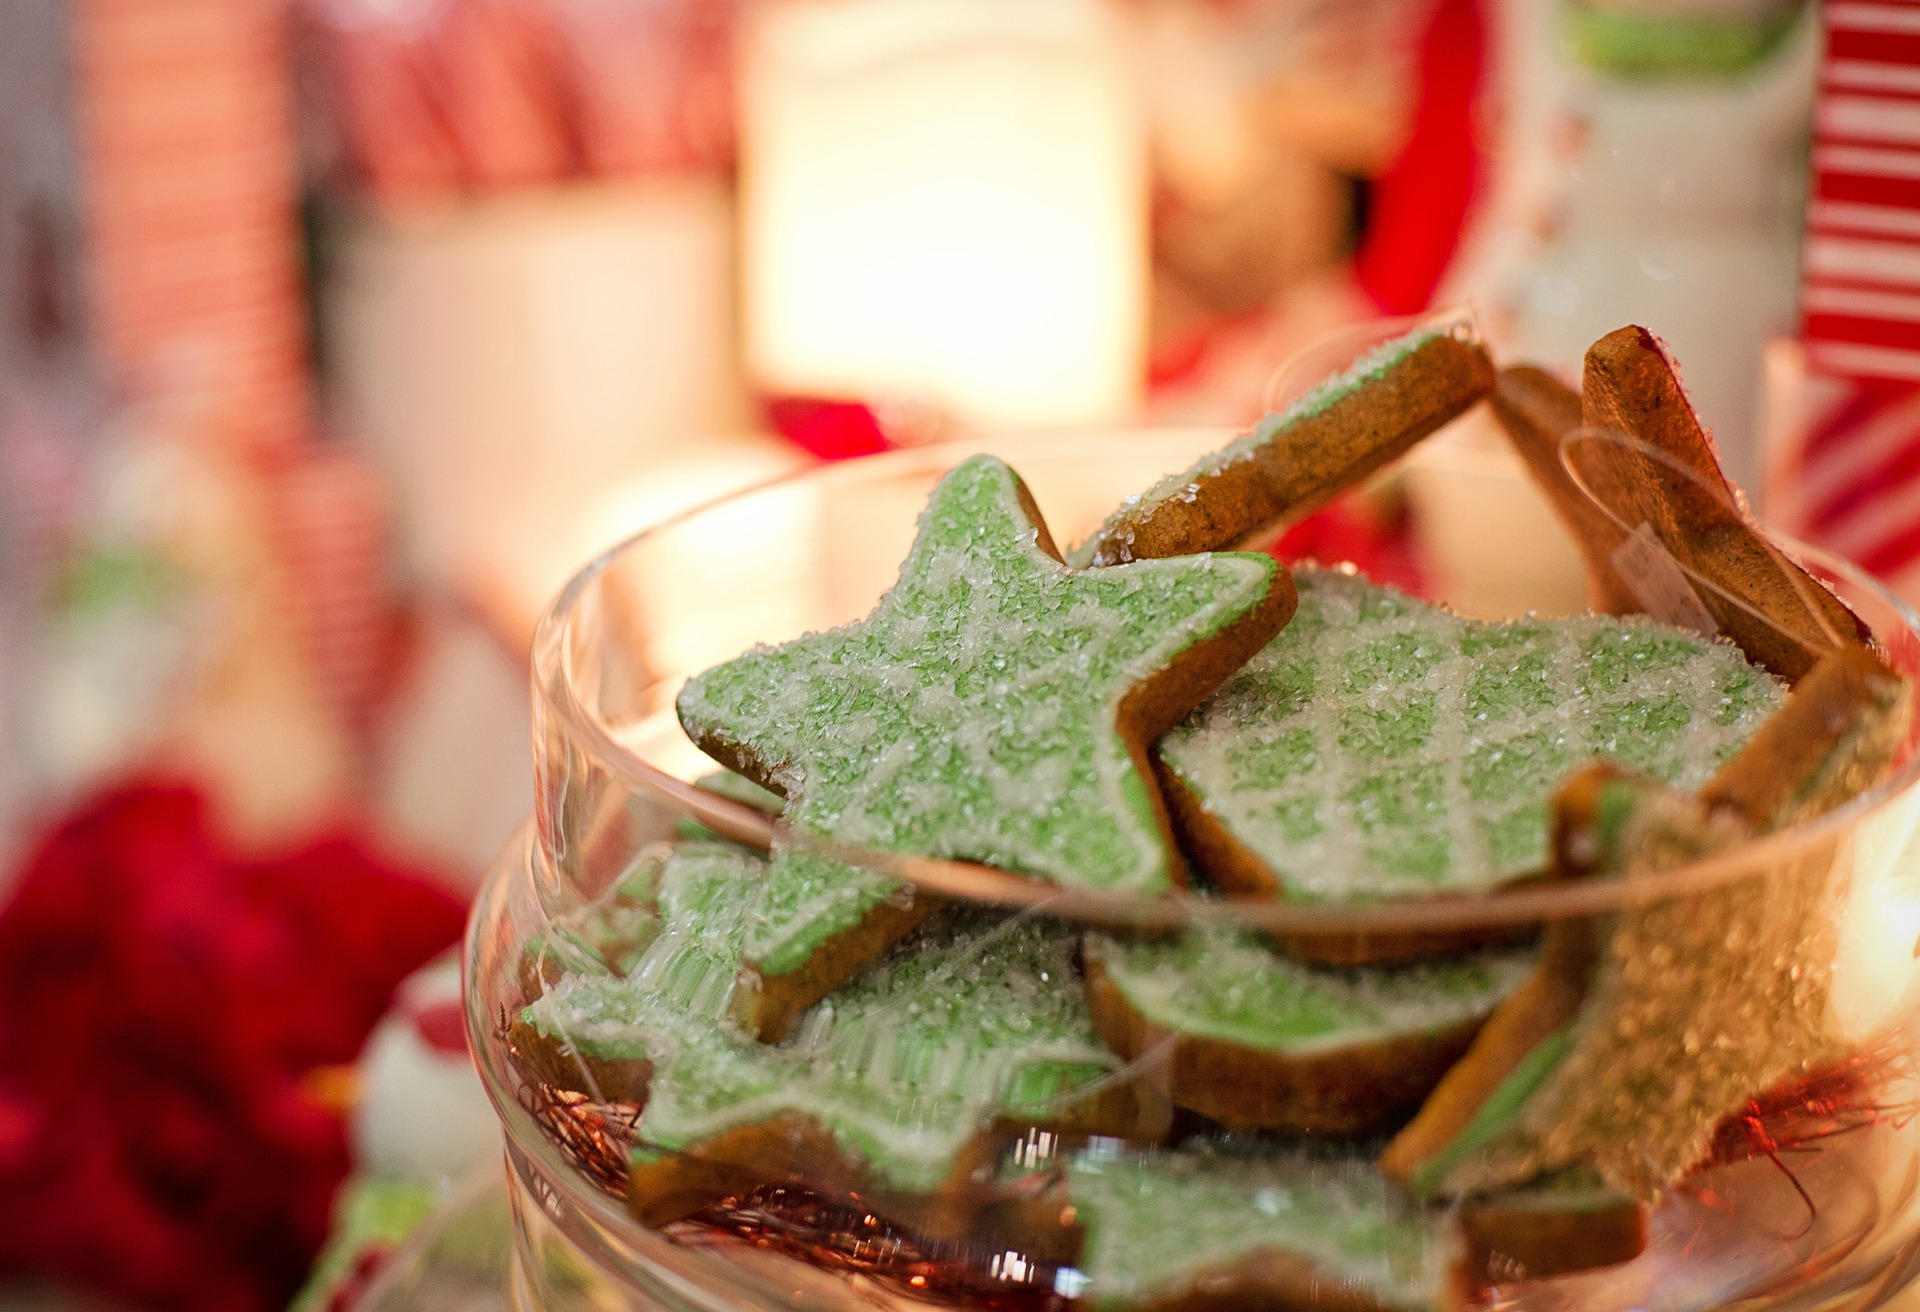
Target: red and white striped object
[(1854, 481)]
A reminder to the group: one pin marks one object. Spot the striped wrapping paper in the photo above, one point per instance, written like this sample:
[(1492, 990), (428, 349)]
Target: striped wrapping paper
[(1852, 479)]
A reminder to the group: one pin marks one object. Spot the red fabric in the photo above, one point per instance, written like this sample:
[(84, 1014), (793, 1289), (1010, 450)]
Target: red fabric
[(1421, 202), (165, 1003)]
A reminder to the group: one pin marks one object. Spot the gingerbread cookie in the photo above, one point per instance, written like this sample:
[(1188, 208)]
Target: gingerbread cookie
[(995, 706), (1729, 985), (1297, 460), (898, 1084), (1538, 412), (1572, 1221), (688, 907), (1383, 748), (606, 936), (1662, 502), (1256, 1040), (1252, 1226)]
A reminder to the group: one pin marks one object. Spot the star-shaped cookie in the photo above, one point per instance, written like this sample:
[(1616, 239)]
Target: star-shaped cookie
[(996, 706)]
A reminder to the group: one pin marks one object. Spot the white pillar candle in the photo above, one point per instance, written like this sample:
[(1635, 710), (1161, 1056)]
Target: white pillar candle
[(509, 360), (945, 201)]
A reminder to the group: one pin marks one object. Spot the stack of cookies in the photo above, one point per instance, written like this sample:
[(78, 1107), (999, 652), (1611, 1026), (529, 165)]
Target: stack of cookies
[(1217, 1116)]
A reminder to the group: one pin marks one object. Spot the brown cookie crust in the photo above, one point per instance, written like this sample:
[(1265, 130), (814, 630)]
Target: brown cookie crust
[(1537, 410), (1346, 1093), (1778, 776), (559, 1065), (767, 1005), (1782, 617), (1306, 464), (1509, 1238), (1163, 699)]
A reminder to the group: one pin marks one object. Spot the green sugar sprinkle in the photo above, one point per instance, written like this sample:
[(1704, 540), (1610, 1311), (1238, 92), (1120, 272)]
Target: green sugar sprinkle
[(1382, 748), (976, 1015), (1155, 1221), (1227, 984), (972, 715)]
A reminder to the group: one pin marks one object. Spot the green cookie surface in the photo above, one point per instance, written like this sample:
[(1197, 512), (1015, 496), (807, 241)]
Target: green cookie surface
[(976, 1015), (1227, 984), (1158, 1222), (973, 714), (1381, 747)]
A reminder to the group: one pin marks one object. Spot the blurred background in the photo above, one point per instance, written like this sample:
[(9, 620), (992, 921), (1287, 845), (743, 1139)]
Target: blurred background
[(334, 334)]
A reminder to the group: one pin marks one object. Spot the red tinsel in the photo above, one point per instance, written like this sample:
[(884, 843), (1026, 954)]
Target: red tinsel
[(165, 1004), (1844, 1096)]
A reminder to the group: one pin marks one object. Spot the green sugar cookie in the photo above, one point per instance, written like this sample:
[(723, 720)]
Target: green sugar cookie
[(1260, 1040), (1251, 1225), (995, 706), (889, 1084), (1383, 748)]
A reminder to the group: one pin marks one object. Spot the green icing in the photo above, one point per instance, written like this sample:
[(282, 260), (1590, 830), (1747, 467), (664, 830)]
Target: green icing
[(1380, 747), (1368, 368), (1226, 984), (1501, 1106), (739, 788), (1156, 1221), (974, 1016), (972, 715)]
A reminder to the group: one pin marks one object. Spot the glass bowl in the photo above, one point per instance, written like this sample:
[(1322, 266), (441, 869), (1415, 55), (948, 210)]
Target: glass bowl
[(1827, 1215)]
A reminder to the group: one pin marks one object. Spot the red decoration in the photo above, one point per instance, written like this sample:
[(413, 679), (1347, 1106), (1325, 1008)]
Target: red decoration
[(165, 1003), (1422, 201), (1376, 539), (832, 430)]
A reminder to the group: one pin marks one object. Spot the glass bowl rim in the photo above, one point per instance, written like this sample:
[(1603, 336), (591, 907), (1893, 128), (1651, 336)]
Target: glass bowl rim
[(1521, 903)]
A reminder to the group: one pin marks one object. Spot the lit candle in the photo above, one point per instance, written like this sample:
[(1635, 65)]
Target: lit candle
[(945, 201)]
